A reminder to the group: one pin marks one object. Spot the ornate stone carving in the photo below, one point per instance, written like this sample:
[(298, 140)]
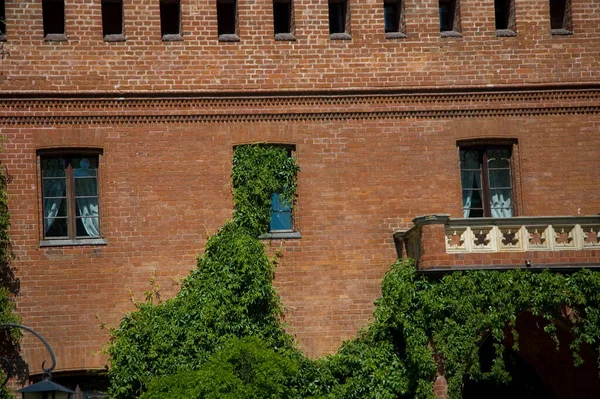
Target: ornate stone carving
[(483, 238), (537, 238), (564, 237), (591, 236), (456, 240), (510, 238)]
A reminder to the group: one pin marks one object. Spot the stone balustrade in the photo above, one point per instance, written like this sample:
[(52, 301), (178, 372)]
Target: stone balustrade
[(522, 234), (438, 241)]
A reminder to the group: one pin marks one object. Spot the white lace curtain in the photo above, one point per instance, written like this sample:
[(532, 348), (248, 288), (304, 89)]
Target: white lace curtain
[(498, 179), (86, 199), (54, 190), (88, 207)]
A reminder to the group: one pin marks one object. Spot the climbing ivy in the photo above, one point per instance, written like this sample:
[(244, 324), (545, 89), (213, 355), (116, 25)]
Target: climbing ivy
[(258, 172), (9, 288), (424, 326), (198, 344), (229, 295)]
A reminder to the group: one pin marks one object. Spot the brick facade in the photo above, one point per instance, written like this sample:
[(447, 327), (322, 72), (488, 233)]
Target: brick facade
[(375, 123)]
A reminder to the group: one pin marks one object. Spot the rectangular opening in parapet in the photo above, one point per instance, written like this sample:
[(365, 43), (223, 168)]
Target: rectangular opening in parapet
[(53, 13), (449, 16), (112, 17), (392, 15), (227, 17), (282, 16), (2, 18), (505, 14), (560, 15), (338, 11), (170, 17)]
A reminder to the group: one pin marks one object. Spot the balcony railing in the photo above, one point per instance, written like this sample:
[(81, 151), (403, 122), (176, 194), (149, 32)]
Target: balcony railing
[(436, 240)]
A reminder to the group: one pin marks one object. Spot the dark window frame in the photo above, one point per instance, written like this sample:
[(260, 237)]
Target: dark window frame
[(2, 20), (561, 22), (70, 196), (228, 21), (505, 17), (482, 147), (166, 24), (396, 28), (339, 25), (51, 34), (283, 29), (106, 25), (452, 27)]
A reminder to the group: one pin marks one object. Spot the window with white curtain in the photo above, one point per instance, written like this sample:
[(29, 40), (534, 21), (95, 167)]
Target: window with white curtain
[(487, 189), (70, 200)]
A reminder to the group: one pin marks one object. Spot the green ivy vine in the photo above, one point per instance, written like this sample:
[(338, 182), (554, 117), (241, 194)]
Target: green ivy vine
[(258, 172), (423, 324), (228, 296), (223, 336), (9, 288)]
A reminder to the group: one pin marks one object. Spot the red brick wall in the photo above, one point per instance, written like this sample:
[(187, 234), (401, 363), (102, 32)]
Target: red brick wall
[(165, 188), (368, 168), (258, 62)]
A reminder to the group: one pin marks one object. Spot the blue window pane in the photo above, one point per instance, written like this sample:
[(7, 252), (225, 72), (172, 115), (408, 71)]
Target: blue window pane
[(281, 221), (281, 218), (277, 204)]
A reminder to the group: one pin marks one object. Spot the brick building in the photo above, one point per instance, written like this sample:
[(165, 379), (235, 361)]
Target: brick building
[(121, 118)]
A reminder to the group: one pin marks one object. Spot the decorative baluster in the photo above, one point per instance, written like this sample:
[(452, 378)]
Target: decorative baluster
[(537, 238), (564, 237), (510, 238)]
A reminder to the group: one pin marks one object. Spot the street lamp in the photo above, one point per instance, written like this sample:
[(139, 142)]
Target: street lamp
[(44, 389)]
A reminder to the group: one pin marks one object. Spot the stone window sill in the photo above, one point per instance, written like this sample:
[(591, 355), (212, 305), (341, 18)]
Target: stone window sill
[(281, 235), (340, 36), (2, 37), (115, 38), (55, 37), (72, 243), (506, 33), (450, 33), (561, 32), (285, 37), (395, 35), (172, 38), (230, 37)]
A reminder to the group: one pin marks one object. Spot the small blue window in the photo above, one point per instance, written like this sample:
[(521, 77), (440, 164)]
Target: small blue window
[(281, 218)]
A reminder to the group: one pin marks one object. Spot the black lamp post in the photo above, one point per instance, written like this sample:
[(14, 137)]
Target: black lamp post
[(45, 389)]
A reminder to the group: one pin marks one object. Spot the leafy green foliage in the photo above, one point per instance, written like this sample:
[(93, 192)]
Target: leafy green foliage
[(229, 295), (424, 325), (9, 288), (197, 345), (259, 171), (244, 369)]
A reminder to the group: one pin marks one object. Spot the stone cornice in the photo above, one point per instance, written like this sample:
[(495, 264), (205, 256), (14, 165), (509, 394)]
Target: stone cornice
[(43, 109)]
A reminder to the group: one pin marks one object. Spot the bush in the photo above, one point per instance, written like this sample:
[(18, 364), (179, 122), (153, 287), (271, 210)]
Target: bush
[(229, 295), (244, 369)]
